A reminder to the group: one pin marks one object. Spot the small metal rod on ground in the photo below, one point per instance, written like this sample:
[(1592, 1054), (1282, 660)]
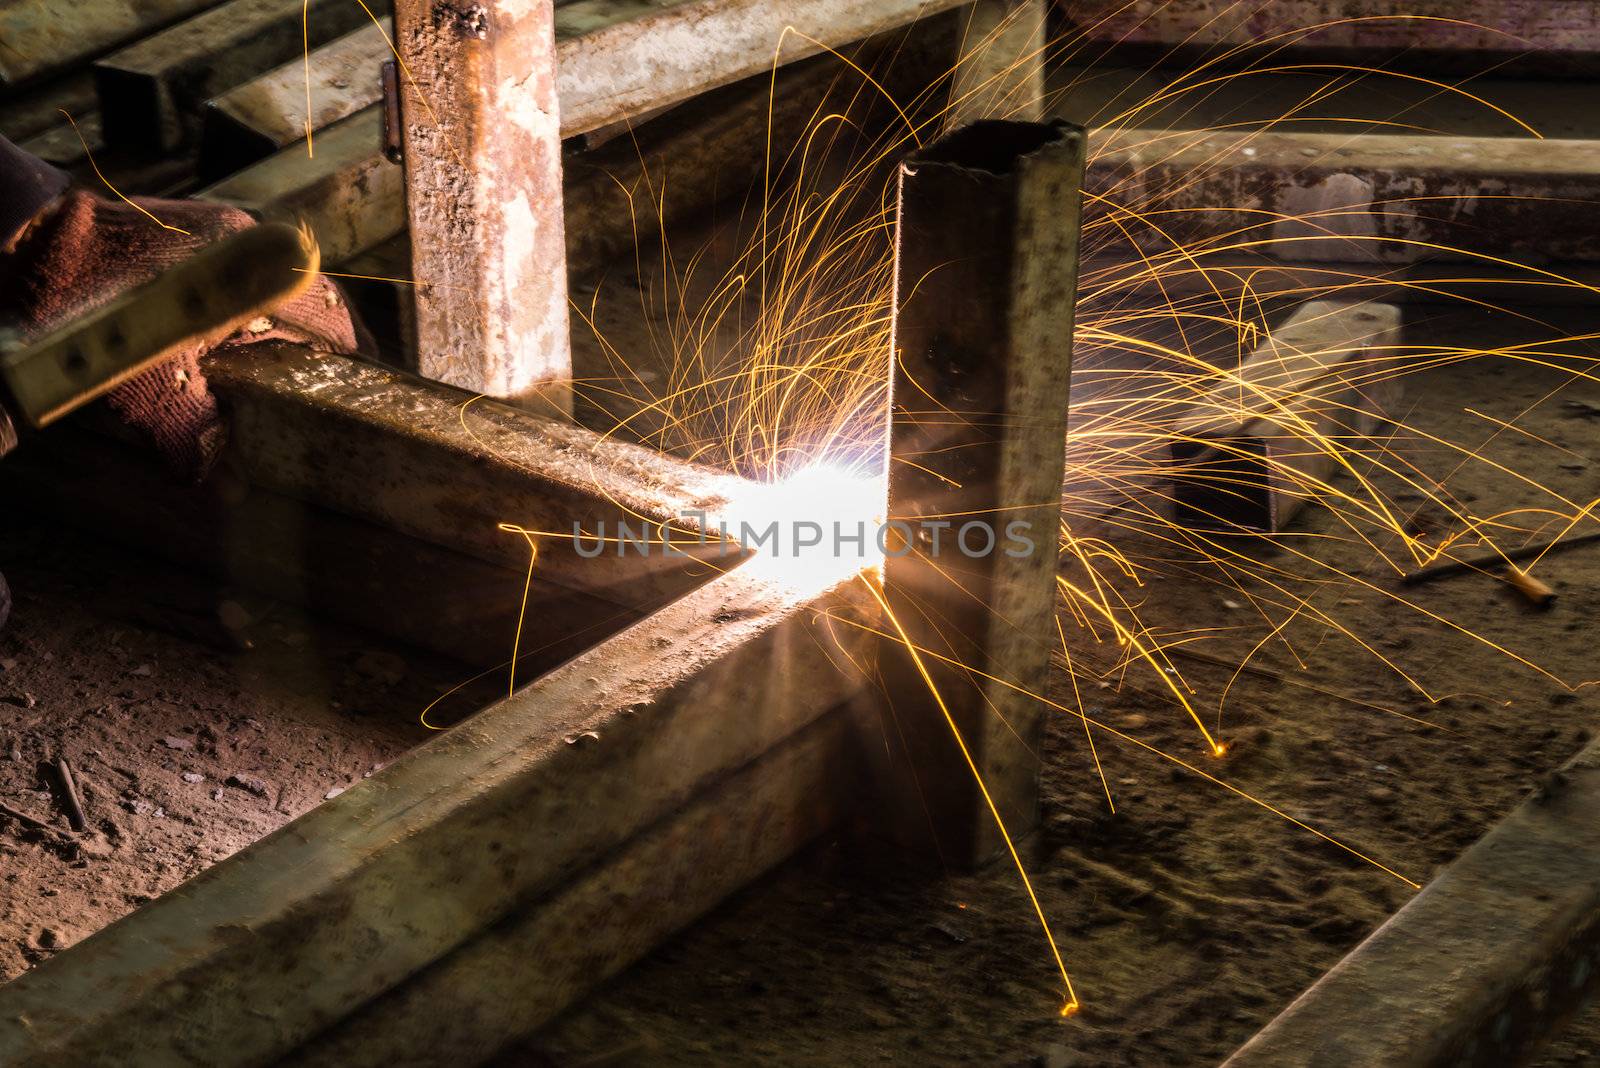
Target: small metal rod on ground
[(1534, 591), (69, 793), (483, 193), (28, 821), (1490, 561), (985, 286)]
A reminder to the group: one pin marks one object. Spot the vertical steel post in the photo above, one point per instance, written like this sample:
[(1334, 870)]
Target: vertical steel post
[(985, 280), (483, 196), (999, 68)]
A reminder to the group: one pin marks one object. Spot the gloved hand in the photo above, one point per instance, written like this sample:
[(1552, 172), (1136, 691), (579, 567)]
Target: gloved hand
[(77, 250)]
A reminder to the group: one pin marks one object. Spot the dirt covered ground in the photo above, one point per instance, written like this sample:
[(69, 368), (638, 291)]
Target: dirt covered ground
[(1189, 917), (185, 745)]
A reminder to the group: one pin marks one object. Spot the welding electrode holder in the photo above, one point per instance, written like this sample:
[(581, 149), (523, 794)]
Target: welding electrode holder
[(199, 301)]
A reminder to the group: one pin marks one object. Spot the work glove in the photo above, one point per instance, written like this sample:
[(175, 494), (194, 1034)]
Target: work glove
[(77, 250)]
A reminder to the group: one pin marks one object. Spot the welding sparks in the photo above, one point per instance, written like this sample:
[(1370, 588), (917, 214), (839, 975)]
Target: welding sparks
[(770, 365)]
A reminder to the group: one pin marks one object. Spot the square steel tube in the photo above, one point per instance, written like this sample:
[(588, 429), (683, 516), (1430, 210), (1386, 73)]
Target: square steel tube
[(985, 277)]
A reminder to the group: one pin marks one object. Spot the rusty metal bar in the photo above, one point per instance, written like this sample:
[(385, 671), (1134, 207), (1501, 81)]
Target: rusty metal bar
[(266, 114), (45, 36), (151, 92), (1365, 198), (630, 58), (999, 68), (252, 958), (483, 150), (1258, 444), (552, 952), (350, 196), (251, 121), (1481, 968), (250, 537), (985, 284), (709, 148), (483, 196), (1501, 196), (400, 535), (1542, 37), (420, 459)]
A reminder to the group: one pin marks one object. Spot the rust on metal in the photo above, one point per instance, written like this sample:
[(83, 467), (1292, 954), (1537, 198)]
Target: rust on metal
[(252, 120), (267, 113), (151, 92), (1542, 37), (484, 197), (1362, 198), (711, 147), (630, 57), (985, 273)]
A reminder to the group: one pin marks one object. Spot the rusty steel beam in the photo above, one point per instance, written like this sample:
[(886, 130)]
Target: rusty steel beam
[(249, 537), (1481, 968), (623, 195), (1260, 443), (1539, 36), (422, 481), (151, 92), (253, 120), (483, 198), (42, 37), (631, 57), (999, 65), (1371, 198), (350, 196), (483, 160), (1297, 202), (710, 148), (546, 956), (431, 462), (506, 812), (266, 114), (985, 284), (1230, 278)]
